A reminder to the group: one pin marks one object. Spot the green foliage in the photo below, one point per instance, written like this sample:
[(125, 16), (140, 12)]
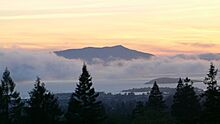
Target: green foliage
[(83, 106), (186, 107), (10, 101), (43, 106), (211, 112)]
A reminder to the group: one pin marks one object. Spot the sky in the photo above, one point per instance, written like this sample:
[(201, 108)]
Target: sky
[(161, 27)]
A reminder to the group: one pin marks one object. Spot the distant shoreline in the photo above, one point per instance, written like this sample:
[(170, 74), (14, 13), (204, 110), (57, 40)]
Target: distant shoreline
[(167, 80)]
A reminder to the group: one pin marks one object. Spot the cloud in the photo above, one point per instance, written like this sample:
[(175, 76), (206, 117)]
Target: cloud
[(174, 51), (46, 16), (154, 68), (26, 65), (198, 44)]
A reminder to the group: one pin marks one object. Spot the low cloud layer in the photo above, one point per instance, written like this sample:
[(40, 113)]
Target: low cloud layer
[(198, 44), (26, 65)]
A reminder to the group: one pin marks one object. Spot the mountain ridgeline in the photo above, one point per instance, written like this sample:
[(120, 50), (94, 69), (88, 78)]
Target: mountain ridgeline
[(90, 54)]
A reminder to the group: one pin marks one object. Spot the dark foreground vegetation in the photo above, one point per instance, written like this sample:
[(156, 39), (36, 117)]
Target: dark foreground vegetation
[(85, 106)]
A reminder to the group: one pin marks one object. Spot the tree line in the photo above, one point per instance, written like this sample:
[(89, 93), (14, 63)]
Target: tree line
[(188, 107), (43, 106)]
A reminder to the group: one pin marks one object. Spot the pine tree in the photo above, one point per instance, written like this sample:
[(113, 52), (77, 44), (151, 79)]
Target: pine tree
[(10, 101), (83, 106), (210, 79), (211, 113), (155, 110), (186, 106), (43, 105), (155, 100)]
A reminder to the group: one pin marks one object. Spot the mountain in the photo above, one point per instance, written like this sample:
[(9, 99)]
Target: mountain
[(89, 54), (166, 80)]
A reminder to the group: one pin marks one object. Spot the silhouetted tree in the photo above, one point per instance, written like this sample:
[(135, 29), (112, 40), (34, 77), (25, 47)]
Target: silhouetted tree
[(154, 112), (43, 105), (83, 106), (211, 113), (155, 100), (186, 107), (10, 101)]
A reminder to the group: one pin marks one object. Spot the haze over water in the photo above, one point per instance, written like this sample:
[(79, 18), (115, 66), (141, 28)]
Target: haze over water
[(107, 86)]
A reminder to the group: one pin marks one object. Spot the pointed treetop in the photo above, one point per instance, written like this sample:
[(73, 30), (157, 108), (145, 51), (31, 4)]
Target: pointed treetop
[(180, 84), (85, 71), (212, 71), (155, 89), (7, 80), (6, 69), (84, 63), (187, 81), (155, 100), (155, 86), (6, 72), (210, 79), (38, 79), (38, 82)]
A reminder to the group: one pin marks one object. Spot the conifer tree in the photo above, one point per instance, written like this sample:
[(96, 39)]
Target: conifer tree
[(155, 110), (211, 112), (10, 101), (83, 106), (186, 107), (43, 105), (155, 100)]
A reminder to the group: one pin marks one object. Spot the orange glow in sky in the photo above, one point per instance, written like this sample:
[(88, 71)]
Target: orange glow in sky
[(155, 26)]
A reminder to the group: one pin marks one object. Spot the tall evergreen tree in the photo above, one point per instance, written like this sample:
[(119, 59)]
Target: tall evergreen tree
[(211, 113), (155, 100), (186, 107), (155, 110), (43, 105), (210, 80), (10, 101), (83, 106)]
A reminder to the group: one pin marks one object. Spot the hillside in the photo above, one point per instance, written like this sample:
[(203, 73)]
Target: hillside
[(91, 54)]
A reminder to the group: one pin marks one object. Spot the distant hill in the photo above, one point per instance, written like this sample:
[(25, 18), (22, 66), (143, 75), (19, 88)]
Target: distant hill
[(89, 54), (166, 80)]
